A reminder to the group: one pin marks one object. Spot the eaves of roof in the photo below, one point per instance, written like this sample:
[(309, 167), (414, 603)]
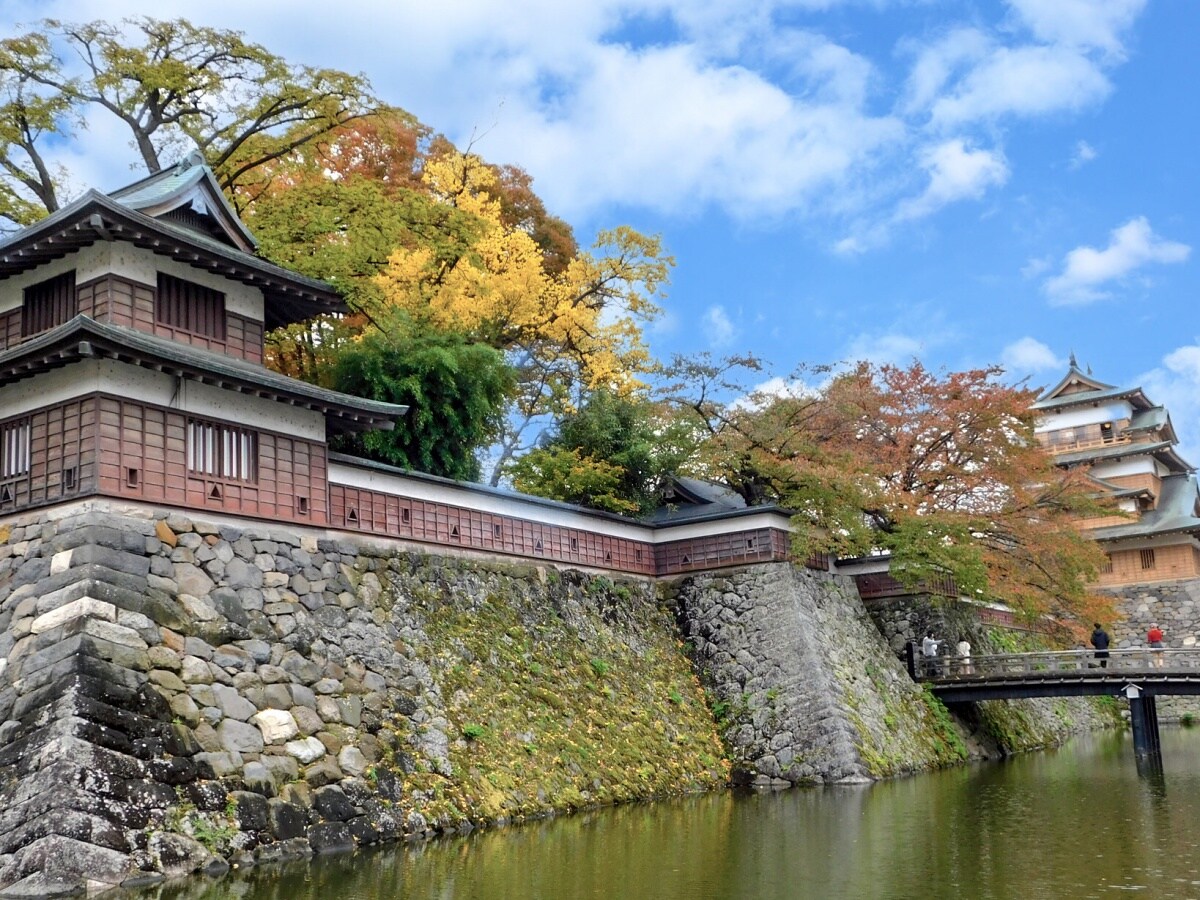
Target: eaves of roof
[(1176, 512), (1163, 451), (94, 218), (84, 338), (1091, 398)]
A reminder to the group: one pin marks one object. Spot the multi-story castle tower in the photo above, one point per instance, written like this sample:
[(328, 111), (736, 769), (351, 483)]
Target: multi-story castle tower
[(1127, 444)]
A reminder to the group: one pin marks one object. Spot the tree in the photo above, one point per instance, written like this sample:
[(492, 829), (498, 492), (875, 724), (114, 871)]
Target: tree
[(174, 85), (941, 470), (615, 453), (455, 390), (565, 333)]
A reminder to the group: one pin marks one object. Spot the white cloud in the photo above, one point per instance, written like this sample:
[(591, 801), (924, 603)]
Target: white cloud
[(1035, 266), (956, 172), (896, 349), (748, 108), (1027, 356), (718, 328), (1081, 23), (1086, 270), (1023, 81), (1175, 384), (1084, 154)]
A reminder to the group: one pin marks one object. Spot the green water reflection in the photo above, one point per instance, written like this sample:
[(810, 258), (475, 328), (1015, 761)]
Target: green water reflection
[(1073, 823)]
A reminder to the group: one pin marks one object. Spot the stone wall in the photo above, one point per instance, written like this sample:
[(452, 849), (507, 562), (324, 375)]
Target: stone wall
[(1175, 606), (805, 687), (809, 684), (176, 695)]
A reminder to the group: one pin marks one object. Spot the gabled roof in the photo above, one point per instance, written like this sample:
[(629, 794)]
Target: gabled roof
[(1176, 512), (95, 217), (189, 187), (1078, 387), (84, 338), (1075, 381)]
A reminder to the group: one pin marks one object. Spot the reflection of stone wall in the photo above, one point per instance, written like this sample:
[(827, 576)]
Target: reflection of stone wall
[(1175, 606), (175, 694)]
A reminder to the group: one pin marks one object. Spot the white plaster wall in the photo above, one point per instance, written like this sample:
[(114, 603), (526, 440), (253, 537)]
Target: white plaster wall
[(1087, 415), (1135, 465), (138, 265), (722, 526), (159, 389)]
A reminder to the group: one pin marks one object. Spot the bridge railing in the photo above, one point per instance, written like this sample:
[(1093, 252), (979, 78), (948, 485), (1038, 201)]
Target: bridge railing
[(1002, 665)]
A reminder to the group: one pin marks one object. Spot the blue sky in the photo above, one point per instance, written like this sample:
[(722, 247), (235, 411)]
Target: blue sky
[(962, 182)]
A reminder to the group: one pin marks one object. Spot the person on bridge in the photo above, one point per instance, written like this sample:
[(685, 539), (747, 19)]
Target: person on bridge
[(929, 652), (1100, 641), (1154, 637), (963, 648)]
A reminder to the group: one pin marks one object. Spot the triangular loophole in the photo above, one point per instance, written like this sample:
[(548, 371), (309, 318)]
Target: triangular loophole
[(453, 531), (686, 560), (214, 492), (352, 516), (537, 547), (608, 557), (6, 494)]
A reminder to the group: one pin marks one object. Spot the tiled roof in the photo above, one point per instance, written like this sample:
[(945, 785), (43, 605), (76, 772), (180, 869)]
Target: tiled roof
[(85, 338), (1176, 512)]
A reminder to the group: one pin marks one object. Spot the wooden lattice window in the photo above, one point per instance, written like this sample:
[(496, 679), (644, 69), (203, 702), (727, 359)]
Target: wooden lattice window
[(1148, 558), (1106, 567), (49, 303), (187, 306), (222, 451), (14, 449)]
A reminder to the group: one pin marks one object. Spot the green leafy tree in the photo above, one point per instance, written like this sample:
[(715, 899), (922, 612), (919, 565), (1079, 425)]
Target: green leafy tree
[(456, 392), (174, 85), (615, 453)]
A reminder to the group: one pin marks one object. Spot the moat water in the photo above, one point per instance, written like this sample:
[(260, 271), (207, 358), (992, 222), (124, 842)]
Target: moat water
[(1078, 822)]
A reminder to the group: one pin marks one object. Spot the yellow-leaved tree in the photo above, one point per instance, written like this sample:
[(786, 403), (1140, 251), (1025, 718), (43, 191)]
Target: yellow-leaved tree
[(565, 332)]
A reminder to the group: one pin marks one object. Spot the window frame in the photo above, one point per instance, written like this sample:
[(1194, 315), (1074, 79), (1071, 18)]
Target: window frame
[(220, 451)]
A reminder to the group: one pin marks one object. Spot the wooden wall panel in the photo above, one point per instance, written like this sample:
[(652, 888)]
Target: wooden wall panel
[(61, 456), (377, 512), (719, 550), (143, 456), (130, 304), (10, 328)]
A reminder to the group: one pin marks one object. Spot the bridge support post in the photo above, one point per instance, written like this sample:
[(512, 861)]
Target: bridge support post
[(1143, 716)]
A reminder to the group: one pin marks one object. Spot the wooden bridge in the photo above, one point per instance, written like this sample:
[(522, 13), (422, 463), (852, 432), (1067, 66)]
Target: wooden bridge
[(1140, 675)]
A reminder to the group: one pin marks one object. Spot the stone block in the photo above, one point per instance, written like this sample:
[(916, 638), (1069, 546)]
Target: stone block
[(352, 761), (305, 750), (330, 837), (331, 802), (239, 737), (83, 607), (276, 725), (285, 820), (233, 704)]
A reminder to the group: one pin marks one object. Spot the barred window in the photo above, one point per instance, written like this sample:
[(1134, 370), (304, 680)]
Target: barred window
[(190, 307), (14, 449), (222, 451), (49, 303), (1148, 558)]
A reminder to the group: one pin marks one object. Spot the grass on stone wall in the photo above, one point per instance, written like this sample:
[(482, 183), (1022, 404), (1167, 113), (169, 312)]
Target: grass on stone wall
[(551, 716)]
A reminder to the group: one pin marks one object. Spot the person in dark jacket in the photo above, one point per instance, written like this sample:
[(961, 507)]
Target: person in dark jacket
[(1100, 641)]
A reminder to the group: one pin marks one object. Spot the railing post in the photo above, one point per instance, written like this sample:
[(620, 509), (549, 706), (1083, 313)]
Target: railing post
[(910, 659), (1143, 716)]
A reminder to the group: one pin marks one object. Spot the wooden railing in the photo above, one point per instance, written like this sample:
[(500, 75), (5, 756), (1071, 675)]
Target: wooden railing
[(1004, 666), (1088, 444)]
